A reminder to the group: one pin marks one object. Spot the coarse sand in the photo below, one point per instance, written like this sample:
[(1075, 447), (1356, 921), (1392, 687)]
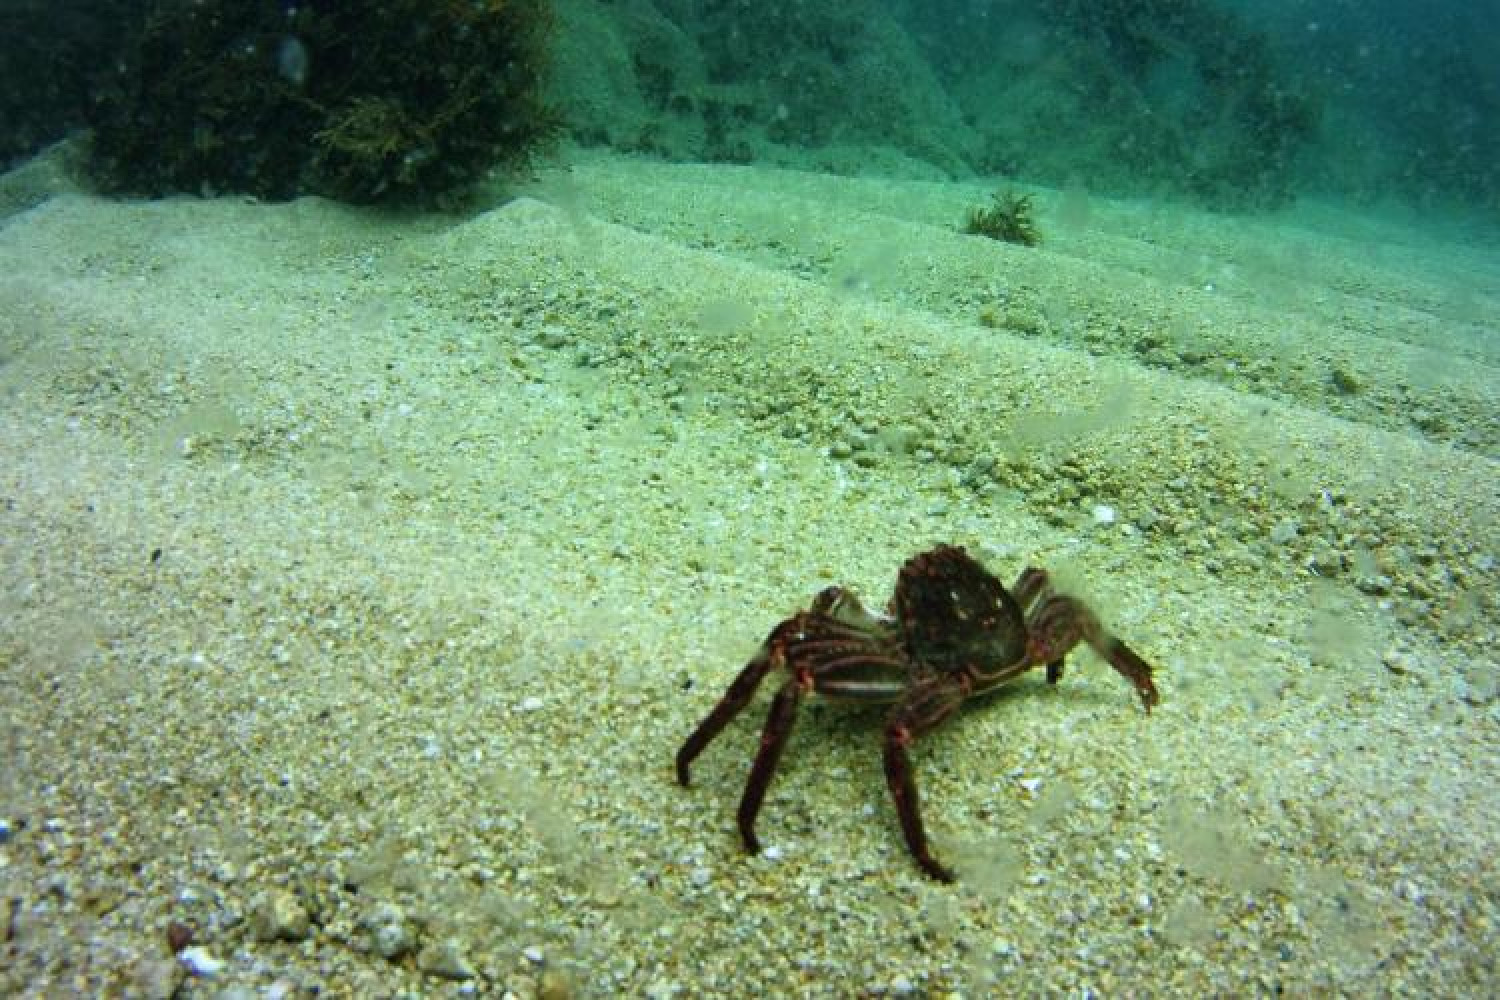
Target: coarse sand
[(362, 574)]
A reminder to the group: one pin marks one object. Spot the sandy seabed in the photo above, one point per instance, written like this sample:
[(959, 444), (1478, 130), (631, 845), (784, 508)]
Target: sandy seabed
[(362, 576)]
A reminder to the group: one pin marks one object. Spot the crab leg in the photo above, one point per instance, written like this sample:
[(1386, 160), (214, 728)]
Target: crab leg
[(735, 699), (1060, 623), (1032, 585), (926, 707), (1134, 669), (772, 741)]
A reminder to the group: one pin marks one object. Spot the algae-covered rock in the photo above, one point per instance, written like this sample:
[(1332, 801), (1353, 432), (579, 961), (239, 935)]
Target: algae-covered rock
[(368, 100)]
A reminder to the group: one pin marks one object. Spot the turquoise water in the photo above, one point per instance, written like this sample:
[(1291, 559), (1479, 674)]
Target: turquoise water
[(1233, 104), (1241, 105)]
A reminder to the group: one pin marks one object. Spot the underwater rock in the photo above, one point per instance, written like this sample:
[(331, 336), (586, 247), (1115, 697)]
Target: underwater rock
[(397, 101)]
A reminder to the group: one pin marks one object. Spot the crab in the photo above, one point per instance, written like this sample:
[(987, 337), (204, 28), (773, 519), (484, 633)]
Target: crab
[(951, 631)]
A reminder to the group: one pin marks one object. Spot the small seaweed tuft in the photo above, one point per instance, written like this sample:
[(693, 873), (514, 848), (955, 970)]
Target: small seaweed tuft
[(1007, 218)]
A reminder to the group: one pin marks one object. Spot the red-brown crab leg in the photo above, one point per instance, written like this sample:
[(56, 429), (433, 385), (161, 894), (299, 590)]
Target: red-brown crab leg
[(1136, 670), (927, 706), (1031, 588), (772, 741), (1032, 584), (1060, 623), (735, 699)]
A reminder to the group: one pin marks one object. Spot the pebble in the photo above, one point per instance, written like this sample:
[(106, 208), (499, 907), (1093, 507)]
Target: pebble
[(277, 915), (1398, 662), (534, 954), (390, 932), (1284, 531), (200, 962), (553, 336), (157, 978), (662, 989), (1481, 684), (555, 986), (445, 960), (1410, 891)]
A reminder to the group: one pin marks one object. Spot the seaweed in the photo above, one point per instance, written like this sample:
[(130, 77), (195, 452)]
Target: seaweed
[(400, 101), (1008, 218)]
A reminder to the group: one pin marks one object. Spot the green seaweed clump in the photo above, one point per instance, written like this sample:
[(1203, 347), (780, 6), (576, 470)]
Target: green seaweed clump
[(394, 101), (1007, 218)]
